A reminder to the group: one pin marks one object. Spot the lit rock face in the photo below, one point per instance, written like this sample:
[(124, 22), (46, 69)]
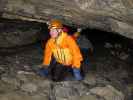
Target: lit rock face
[(108, 15), (18, 33)]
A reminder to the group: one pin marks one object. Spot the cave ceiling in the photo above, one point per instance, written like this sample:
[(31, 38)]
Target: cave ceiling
[(109, 15)]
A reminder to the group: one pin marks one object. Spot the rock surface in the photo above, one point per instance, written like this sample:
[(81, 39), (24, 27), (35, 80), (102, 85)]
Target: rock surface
[(109, 15), (102, 82), (18, 33)]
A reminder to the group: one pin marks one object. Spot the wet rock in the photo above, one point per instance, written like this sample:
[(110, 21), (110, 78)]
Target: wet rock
[(29, 87), (86, 97), (68, 90), (24, 72), (33, 84), (14, 82), (102, 82), (130, 89), (108, 45), (90, 78), (108, 93), (44, 86), (117, 50), (2, 69), (21, 96), (123, 55), (18, 33), (6, 87)]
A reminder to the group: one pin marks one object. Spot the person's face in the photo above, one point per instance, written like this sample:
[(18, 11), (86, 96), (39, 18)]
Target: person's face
[(54, 32)]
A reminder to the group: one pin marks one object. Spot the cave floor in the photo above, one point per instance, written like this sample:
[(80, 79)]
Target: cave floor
[(103, 66)]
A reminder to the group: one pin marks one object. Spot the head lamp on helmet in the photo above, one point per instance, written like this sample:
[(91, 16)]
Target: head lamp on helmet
[(55, 24)]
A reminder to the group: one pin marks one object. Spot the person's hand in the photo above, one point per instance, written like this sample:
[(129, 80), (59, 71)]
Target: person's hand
[(48, 23), (42, 66), (43, 70), (79, 29)]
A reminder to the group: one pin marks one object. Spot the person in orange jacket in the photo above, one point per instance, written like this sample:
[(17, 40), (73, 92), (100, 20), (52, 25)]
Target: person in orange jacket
[(63, 49)]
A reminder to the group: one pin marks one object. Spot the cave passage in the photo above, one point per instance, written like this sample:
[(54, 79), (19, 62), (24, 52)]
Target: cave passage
[(22, 36), (22, 45), (17, 35)]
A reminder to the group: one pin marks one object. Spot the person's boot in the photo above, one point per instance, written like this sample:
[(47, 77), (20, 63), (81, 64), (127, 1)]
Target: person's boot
[(77, 74)]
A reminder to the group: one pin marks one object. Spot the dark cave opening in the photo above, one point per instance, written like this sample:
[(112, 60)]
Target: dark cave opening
[(98, 36)]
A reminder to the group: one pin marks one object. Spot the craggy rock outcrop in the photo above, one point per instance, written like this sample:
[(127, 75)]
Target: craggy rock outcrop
[(108, 15), (18, 33)]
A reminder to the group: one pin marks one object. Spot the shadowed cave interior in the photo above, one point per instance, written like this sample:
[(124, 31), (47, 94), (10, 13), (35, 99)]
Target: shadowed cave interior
[(111, 52)]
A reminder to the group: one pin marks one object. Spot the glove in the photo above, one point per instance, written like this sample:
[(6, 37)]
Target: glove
[(77, 74), (79, 29), (48, 23), (43, 71)]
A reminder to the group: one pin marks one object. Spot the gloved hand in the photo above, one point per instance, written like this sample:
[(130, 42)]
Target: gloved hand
[(43, 71), (77, 74), (48, 23), (79, 29)]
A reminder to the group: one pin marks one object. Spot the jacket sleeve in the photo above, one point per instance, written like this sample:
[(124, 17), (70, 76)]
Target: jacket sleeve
[(76, 54), (47, 54)]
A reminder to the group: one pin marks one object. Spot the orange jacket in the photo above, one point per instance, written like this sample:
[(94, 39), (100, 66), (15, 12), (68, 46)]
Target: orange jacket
[(64, 49)]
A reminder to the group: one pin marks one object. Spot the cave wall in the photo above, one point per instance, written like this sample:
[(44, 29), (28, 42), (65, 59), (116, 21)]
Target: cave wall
[(18, 33)]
